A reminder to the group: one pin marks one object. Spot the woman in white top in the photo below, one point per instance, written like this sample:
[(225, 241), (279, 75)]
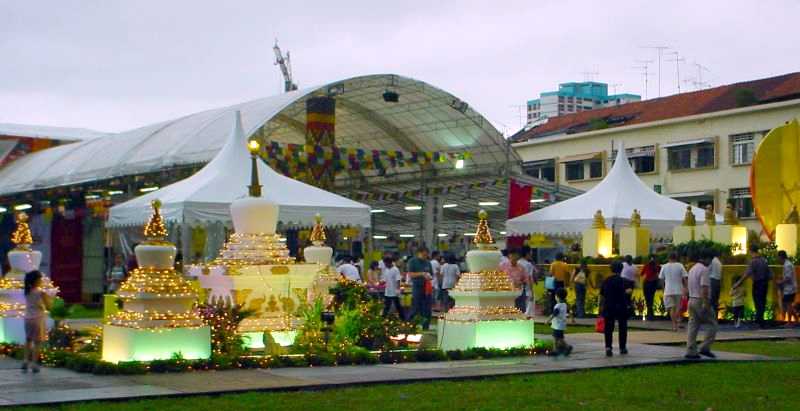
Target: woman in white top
[(674, 276), (391, 292), (450, 275), (37, 302)]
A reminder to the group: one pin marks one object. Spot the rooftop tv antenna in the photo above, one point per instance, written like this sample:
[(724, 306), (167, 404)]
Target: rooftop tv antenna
[(644, 72), (285, 64), (660, 50), (700, 69), (614, 87), (678, 60), (590, 75)]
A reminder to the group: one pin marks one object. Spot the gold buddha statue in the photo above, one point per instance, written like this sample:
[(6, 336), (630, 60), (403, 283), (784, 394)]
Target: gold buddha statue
[(688, 218), (730, 217), (636, 218)]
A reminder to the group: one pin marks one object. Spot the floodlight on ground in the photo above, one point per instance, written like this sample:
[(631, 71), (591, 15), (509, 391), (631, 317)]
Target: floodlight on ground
[(451, 205), (377, 211), (413, 208), (488, 203)]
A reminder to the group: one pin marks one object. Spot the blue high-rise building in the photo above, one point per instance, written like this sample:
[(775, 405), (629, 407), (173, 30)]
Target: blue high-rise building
[(574, 98)]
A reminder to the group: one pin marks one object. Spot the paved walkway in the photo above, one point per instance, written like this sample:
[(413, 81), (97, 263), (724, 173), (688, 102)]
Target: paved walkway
[(59, 385)]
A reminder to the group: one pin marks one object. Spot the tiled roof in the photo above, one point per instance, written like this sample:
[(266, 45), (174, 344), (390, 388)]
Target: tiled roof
[(784, 87)]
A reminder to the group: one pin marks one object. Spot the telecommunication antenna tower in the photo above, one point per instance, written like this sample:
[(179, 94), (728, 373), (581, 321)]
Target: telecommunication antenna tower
[(285, 64), (678, 60), (660, 50)]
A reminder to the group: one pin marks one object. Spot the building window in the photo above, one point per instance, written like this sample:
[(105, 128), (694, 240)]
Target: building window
[(680, 158), (560, 107), (595, 169), (705, 155), (641, 159), (742, 147), (691, 154), (742, 202), (543, 170), (560, 99), (574, 170)]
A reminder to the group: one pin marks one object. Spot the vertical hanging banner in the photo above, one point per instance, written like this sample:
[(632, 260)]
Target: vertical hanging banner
[(320, 135), (519, 203)]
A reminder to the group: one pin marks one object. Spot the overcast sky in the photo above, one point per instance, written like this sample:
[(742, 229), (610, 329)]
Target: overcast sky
[(116, 65)]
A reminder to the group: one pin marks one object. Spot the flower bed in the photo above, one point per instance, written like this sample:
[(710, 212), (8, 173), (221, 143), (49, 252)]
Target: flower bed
[(91, 362)]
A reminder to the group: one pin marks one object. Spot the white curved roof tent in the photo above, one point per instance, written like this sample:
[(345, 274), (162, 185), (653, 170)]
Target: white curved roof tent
[(620, 192), (425, 119), (206, 196)]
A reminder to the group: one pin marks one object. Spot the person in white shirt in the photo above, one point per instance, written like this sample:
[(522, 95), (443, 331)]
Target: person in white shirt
[(558, 322), (700, 313), (348, 270), (628, 269), (674, 276), (436, 282), (450, 275), (391, 278), (788, 286), (715, 274)]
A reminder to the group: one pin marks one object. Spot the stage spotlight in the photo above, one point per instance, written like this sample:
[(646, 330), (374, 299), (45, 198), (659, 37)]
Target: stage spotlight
[(391, 96)]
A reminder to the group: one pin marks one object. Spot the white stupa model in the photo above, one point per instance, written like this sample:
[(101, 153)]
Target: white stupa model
[(318, 252), (254, 269), (157, 319), (22, 259), (484, 314)]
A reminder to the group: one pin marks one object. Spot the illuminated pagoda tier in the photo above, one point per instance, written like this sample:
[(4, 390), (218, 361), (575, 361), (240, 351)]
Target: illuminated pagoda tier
[(318, 252), (22, 259), (484, 314), (157, 319), (254, 270)]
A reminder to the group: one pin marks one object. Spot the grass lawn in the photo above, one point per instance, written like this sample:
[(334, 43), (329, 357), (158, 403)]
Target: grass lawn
[(717, 386), (779, 348), (79, 311)]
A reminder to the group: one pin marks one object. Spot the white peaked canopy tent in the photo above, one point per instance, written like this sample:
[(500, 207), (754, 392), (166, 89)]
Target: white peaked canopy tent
[(205, 197), (617, 196)]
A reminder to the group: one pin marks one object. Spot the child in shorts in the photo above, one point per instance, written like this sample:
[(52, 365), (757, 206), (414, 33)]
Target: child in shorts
[(558, 322)]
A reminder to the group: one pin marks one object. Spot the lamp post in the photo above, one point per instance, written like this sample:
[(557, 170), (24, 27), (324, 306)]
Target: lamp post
[(255, 187)]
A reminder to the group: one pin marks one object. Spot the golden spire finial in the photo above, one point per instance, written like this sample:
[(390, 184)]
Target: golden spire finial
[(317, 236), (688, 218), (155, 230), (599, 221), (483, 237), (21, 237), (636, 218)]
